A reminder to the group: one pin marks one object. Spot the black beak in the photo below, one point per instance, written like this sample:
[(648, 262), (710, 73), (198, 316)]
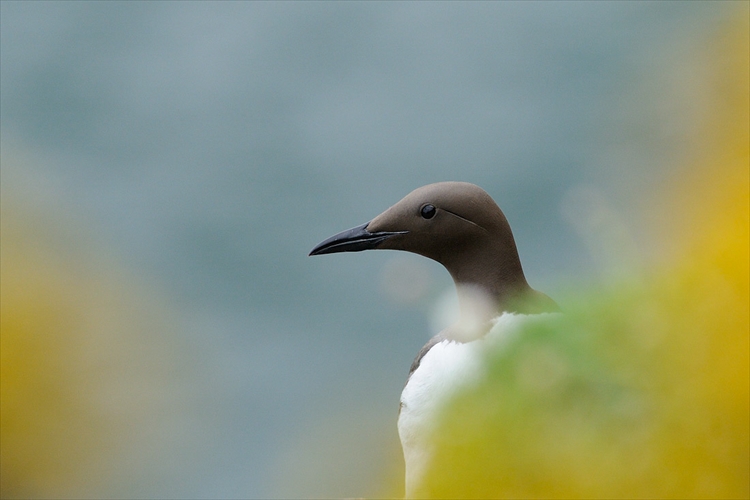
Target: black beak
[(355, 239)]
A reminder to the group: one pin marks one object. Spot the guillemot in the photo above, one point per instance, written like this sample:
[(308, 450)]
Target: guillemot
[(460, 226)]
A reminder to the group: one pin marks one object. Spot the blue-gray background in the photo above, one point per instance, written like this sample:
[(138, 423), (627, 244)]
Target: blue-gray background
[(206, 147)]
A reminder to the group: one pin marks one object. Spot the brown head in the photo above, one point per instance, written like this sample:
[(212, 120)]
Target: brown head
[(458, 225)]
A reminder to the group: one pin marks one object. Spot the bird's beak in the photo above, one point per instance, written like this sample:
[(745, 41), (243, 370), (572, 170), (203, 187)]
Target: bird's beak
[(355, 239)]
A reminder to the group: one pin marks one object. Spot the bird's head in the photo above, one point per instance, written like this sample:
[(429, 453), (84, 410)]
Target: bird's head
[(447, 222), (454, 223)]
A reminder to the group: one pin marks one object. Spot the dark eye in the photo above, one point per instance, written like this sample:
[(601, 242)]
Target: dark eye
[(427, 211)]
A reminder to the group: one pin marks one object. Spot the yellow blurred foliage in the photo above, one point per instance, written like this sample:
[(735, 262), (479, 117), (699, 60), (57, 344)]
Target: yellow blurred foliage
[(46, 427), (84, 356), (641, 391)]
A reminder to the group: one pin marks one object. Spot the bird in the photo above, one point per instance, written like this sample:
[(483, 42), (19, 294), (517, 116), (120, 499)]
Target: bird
[(458, 225)]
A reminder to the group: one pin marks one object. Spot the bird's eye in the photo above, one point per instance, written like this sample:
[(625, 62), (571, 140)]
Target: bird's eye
[(427, 211)]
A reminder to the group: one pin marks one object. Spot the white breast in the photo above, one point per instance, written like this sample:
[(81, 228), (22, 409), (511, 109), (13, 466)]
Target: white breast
[(447, 368)]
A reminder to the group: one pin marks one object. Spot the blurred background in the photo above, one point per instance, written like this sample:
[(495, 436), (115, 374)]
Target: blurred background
[(167, 166)]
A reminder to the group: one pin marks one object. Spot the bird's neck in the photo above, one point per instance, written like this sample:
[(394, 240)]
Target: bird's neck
[(490, 281)]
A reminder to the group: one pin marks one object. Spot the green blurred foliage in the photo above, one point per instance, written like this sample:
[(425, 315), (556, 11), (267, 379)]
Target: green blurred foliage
[(640, 390)]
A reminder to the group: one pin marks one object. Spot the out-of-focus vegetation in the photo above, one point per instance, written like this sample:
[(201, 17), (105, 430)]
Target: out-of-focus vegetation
[(85, 356), (640, 389)]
